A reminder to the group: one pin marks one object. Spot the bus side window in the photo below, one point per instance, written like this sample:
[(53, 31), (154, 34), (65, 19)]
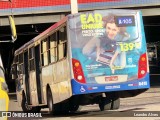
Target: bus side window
[(20, 71), (44, 50), (62, 44), (31, 59), (14, 68), (53, 47)]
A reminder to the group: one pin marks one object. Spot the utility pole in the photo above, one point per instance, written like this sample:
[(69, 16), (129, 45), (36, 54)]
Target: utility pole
[(74, 6)]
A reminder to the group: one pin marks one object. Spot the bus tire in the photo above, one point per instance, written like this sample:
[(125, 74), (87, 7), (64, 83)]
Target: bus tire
[(74, 108), (57, 109), (50, 101), (65, 107), (27, 108), (61, 108), (115, 103), (105, 104)]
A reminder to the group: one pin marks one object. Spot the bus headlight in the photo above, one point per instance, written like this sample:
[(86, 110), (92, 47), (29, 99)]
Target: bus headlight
[(4, 86)]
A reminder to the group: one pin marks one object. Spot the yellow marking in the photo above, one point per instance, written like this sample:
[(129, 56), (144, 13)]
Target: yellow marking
[(4, 99)]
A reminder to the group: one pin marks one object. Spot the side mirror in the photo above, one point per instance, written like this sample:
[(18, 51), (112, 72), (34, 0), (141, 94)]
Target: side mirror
[(13, 28)]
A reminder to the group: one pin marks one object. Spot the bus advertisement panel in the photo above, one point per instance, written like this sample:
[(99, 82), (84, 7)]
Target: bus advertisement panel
[(108, 51), (102, 52)]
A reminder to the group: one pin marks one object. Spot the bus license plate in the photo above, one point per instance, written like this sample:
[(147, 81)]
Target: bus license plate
[(111, 78)]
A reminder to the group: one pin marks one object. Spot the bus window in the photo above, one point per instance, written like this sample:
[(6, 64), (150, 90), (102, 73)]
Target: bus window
[(20, 64), (53, 47), (62, 43), (14, 67), (31, 59), (44, 53)]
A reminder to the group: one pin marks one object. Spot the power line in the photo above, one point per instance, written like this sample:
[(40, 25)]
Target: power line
[(24, 33)]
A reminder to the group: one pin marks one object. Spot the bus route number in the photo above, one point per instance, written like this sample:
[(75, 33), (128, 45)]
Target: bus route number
[(129, 46), (142, 83), (123, 21)]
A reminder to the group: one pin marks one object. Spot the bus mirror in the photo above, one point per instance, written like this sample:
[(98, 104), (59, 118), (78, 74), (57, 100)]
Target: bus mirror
[(13, 28)]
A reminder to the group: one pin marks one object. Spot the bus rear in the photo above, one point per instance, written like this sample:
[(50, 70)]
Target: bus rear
[(108, 52)]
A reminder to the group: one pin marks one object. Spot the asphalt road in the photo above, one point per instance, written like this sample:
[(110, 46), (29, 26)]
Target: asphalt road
[(139, 107)]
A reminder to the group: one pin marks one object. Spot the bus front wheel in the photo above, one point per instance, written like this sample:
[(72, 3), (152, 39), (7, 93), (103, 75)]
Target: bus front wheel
[(50, 101), (74, 108), (115, 102), (27, 108), (105, 104)]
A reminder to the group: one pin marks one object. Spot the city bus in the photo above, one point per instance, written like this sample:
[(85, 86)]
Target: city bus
[(4, 99), (93, 57)]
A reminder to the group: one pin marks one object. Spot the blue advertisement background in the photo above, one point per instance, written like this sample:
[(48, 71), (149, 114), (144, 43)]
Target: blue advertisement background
[(78, 41)]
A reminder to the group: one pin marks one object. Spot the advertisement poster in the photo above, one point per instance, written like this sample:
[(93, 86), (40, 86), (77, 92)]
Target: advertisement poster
[(107, 44)]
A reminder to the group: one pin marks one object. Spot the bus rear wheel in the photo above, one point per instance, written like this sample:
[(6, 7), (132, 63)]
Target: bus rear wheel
[(27, 108), (74, 108), (50, 101), (115, 102), (105, 104), (61, 108)]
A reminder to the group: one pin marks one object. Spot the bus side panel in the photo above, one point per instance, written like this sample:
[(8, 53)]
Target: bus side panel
[(63, 79), (57, 76), (33, 89), (49, 79)]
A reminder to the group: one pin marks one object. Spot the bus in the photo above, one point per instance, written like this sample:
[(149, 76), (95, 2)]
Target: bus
[(93, 57), (4, 99)]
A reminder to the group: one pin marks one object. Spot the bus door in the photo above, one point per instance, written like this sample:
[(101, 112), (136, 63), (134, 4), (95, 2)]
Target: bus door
[(38, 73), (26, 73)]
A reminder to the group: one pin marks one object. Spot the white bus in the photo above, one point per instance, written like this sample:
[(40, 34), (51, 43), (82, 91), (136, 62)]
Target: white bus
[(94, 57)]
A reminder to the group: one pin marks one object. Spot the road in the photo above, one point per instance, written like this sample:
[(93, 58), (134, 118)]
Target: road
[(139, 107)]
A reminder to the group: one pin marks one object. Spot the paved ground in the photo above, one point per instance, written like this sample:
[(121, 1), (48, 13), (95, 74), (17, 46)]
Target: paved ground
[(134, 108)]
